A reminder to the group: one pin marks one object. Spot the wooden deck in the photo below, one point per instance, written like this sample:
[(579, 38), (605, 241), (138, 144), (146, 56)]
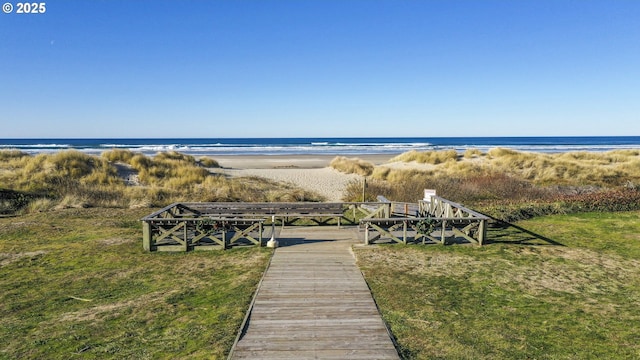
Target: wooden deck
[(313, 303)]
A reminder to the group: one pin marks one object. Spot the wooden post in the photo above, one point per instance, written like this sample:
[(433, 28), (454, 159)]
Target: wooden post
[(482, 231), (404, 232), (443, 234), (146, 236), (364, 186), (366, 233), (186, 240)]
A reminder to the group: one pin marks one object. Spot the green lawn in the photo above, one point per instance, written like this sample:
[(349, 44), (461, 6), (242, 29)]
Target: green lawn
[(77, 284), (557, 287)]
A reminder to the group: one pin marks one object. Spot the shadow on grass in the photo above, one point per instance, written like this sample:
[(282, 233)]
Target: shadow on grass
[(502, 232)]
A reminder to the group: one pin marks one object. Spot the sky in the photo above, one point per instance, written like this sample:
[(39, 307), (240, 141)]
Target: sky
[(333, 68)]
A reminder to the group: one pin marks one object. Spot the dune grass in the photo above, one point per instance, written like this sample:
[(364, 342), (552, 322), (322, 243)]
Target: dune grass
[(71, 179), (606, 169), (77, 284), (427, 157), (513, 299), (352, 165), (512, 185)]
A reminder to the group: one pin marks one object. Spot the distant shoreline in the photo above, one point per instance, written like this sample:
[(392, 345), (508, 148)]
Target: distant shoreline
[(389, 146)]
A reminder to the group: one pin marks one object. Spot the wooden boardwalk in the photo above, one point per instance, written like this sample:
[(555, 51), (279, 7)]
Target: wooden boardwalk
[(313, 303)]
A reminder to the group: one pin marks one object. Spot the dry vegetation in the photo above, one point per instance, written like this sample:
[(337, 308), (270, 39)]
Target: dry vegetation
[(352, 165), (607, 169), (427, 157), (511, 184), (72, 179)]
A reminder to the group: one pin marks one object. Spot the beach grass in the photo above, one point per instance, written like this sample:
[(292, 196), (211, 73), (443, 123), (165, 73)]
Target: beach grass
[(512, 185), (76, 283), (125, 179), (427, 157), (556, 287), (604, 169), (352, 165)]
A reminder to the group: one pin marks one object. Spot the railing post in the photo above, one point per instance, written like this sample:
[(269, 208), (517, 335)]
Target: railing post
[(146, 235), (366, 233), (186, 240), (443, 234), (354, 214), (404, 232), (482, 231)]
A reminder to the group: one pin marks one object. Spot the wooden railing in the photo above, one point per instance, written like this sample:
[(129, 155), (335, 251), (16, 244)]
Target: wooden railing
[(441, 207), (437, 220), (205, 226), (178, 227)]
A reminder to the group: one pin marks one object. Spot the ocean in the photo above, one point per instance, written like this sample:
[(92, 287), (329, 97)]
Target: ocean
[(324, 146)]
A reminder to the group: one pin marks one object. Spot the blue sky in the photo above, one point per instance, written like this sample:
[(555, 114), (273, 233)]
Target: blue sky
[(321, 68)]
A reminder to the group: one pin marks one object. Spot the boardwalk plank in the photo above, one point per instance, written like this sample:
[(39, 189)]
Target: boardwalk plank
[(314, 304)]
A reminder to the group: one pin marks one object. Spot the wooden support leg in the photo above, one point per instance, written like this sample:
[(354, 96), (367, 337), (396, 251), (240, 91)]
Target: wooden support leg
[(404, 232), (482, 232), (366, 234), (146, 236), (186, 239), (443, 237)]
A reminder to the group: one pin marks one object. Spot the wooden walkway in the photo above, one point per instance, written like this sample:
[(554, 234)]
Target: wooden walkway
[(313, 303)]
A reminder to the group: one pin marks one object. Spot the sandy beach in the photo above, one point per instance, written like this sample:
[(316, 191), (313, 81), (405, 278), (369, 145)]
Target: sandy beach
[(311, 172)]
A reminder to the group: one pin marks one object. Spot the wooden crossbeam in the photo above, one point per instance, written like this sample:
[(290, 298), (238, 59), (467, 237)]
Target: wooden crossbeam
[(464, 235), (206, 235), (379, 212), (382, 231), (245, 233), (170, 233)]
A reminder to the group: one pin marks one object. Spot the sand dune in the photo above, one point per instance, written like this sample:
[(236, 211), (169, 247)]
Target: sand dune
[(311, 172)]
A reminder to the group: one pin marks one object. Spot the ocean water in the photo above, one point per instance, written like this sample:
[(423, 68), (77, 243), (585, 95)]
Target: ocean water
[(324, 146)]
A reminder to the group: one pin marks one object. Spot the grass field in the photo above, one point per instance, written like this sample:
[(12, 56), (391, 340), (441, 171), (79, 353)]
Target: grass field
[(77, 284), (555, 287)]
